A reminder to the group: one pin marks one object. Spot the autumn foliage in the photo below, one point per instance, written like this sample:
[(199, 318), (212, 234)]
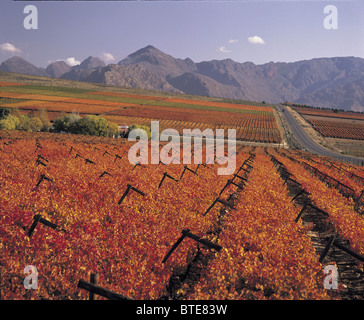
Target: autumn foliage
[(265, 255)]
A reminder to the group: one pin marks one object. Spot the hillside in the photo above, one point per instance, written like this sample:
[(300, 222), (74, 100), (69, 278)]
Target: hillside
[(326, 82)]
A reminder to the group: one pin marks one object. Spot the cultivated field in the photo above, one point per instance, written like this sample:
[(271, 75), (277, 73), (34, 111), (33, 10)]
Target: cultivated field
[(74, 205), (256, 123), (342, 125), (340, 131)]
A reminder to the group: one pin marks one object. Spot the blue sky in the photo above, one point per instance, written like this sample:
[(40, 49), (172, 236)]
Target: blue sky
[(257, 31)]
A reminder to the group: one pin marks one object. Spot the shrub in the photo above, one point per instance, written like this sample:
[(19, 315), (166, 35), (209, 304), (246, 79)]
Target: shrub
[(140, 127)]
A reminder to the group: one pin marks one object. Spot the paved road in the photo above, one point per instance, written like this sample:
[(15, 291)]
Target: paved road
[(307, 143)]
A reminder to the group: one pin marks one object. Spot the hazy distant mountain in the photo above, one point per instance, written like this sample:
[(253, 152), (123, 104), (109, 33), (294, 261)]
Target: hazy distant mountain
[(82, 71), (135, 76), (198, 84), (325, 82), (19, 65), (303, 81), (159, 62), (348, 96), (56, 69), (90, 63), (77, 74)]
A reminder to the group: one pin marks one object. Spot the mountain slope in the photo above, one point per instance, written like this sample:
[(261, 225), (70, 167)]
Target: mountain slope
[(19, 65), (90, 63), (348, 96), (325, 82), (158, 62), (197, 84), (135, 76), (57, 69)]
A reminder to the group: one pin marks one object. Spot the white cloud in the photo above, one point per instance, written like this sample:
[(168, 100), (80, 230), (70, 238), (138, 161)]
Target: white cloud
[(72, 61), (107, 57), (9, 48), (233, 41), (224, 50), (256, 40)]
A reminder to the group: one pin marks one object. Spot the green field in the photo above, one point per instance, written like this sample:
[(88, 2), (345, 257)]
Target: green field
[(81, 93)]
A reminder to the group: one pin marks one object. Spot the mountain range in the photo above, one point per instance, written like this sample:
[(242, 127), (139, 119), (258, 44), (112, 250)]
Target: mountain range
[(336, 83)]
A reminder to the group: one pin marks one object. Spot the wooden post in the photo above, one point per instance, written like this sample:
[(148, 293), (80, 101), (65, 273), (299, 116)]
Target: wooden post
[(327, 248), (203, 241), (183, 172), (137, 164), (104, 173), (302, 210), (89, 161), (42, 177), (34, 224), (225, 203), (210, 207), (174, 247), (220, 201), (358, 201), (187, 168), (227, 184), (347, 250), (130, 187), (125, 193), (240, 177), (299, 193), (101, 291), (94, 279), (168, 176), (187, 233), (38, 218)]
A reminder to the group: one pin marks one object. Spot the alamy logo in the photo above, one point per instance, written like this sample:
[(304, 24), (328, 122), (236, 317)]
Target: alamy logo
[(331, 20), (31, 20), (31, 280), (331, 280), (171, 151)]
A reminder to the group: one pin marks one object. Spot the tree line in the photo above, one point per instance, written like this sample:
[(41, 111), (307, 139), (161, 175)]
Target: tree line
[(12, 119)]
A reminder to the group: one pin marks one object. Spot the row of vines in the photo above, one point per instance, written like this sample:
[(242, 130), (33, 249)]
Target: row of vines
[(120, 221)]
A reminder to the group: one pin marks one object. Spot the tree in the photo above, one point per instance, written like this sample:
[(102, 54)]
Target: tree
[(9, 123), (113, 129), (66, 123), (43, 116), (4, 112), (89, 125), (23, 123), (34, 124), (140, 127), (95, 125), (15, 112)]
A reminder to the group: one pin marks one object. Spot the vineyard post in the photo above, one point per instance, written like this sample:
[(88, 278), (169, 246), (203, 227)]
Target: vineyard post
[(327, 248), (94, 279), (174, 247), (302, 210), (165, 174), (34, 224), (125, 193), (187, 233), (130, 187), (101, 291), (358, 201)]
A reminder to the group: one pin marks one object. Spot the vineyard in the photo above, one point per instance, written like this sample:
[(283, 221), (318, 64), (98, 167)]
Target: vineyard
[(329, 113), (73, 205), (252, 123), (334, 124), (336, 129)]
